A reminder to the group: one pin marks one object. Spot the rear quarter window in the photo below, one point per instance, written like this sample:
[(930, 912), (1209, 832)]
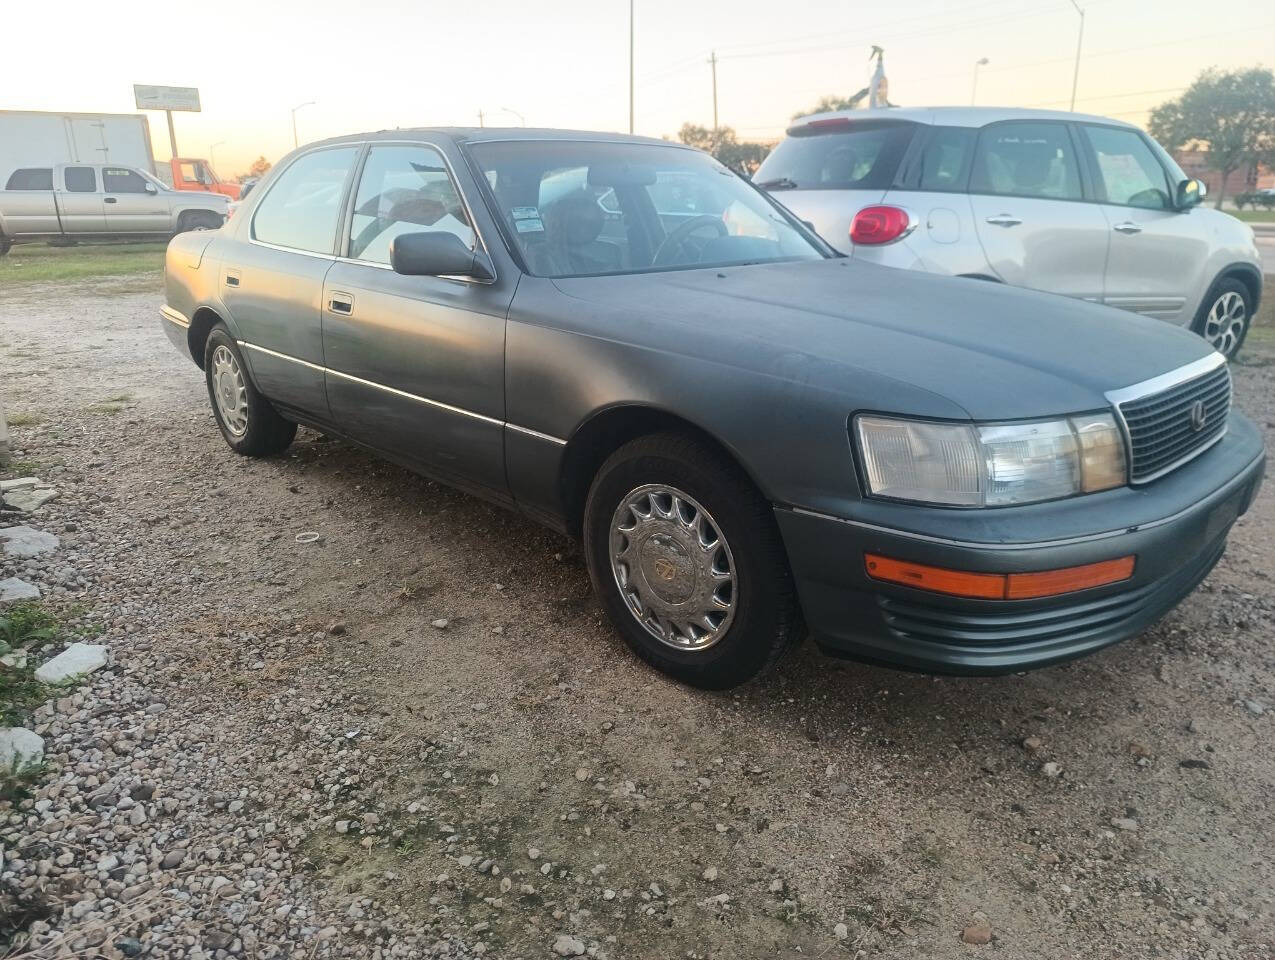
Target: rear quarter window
[(30, 178), (841, 155)]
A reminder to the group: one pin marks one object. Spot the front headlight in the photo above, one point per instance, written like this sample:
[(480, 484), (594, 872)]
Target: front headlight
[(990, 465)]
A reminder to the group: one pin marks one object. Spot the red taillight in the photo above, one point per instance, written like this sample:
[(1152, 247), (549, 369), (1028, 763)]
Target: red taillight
[(879, 224)]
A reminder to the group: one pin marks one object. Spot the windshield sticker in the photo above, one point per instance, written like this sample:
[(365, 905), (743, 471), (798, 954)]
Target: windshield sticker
[(530, 225), (525, 213)]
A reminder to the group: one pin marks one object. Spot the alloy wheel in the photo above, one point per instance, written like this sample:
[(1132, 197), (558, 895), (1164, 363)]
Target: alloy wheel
[(673, 567), (1225, 323)]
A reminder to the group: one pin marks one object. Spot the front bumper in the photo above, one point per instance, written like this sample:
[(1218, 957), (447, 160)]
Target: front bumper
[(1176, 526)]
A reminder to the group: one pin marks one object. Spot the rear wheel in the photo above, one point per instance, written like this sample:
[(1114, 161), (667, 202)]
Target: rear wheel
[(686, 558), (1224, 316), (5, 246), (249, 423)]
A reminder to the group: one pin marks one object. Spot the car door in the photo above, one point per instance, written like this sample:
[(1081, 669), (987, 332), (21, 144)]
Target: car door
[(416, 364), (1156, 253), (271, 277), (132, 203), (1030, 210), (80, 200)]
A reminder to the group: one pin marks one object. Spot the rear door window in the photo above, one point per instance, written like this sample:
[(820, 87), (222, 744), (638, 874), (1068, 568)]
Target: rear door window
[(1026, 160), (80, 179), (837, 154), (303, 206), (31, 178)]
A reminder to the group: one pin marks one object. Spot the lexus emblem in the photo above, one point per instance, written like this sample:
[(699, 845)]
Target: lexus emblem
[(1197, 416)]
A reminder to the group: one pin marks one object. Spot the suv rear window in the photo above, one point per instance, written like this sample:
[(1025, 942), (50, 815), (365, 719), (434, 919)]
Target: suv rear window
[(31, 178), (837, 154)]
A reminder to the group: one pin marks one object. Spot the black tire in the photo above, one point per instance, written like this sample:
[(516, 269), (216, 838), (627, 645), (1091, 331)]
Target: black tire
[(264, 433), (199, 220), (5, 246), (1227, 287), (766, 619)]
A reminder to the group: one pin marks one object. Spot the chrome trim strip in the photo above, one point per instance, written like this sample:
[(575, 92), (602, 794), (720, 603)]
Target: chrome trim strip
[(1218, 494), (537, 434), (1165, 381), (411, 396), (280, 356), (175, 317), (305, 253)]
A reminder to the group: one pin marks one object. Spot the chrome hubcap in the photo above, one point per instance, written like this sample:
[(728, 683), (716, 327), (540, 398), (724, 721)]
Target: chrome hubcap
[(1225, 323), (229, 392), (674, 568)]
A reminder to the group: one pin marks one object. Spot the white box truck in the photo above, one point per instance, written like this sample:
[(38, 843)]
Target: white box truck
[(32, 138)]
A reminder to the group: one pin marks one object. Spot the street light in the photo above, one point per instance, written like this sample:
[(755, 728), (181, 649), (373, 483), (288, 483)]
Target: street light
[(521, 119), (982, 62), (308, 103), (212, 153), (1075, 77)]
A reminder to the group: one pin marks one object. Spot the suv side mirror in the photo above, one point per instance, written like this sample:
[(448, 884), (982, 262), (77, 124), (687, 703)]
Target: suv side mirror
[(1190, 193), (438, 253)]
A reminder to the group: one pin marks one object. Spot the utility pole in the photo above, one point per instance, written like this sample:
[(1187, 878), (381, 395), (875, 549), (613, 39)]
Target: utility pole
[(712, 61), (295, 144), (1075, 77), (982, 62), (630, 67), (480, 118), (212, 154)]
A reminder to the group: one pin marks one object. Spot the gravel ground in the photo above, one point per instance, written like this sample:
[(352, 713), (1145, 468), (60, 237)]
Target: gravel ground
[(415, 736)]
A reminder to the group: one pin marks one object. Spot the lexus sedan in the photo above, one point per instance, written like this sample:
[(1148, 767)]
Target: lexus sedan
[(1083, 206), (753, 436)]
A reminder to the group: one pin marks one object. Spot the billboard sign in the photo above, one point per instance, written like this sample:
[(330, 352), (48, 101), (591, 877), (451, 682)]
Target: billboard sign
[(150, 97)]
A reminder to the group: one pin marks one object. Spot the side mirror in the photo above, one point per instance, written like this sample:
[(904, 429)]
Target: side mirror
[(151, 189), (437, 253), (1189, 193)]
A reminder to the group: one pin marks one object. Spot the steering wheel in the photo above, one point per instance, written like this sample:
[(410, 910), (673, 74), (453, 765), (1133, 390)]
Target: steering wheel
[(673, 242)]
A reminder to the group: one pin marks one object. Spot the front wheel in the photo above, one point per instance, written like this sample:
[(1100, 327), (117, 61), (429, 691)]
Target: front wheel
[(687, 561), (249, 423), (193, 222), (1224, 316), (5, 246)]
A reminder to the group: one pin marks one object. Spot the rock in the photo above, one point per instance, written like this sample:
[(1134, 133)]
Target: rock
[(1140, 750), (979, 932), (841, 931), (20, 748), (173, 859), (26, 493), (16, 659), (568, 946), (1196, 725), (582, 774), (439, 624), (23, 541), (75, 661), (11, 588), (533, 853), (1255, 707), (709, 874), (1051, 770), (1032, 744), (1124, 823)]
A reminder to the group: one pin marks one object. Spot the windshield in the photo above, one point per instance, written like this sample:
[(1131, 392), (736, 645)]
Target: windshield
[(580, 208), (836, 154)]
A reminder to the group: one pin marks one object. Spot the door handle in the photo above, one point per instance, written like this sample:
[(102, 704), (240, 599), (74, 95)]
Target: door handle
[(108, 199), (1004, 220), (232, 278), (341, 303), (1127, 227)]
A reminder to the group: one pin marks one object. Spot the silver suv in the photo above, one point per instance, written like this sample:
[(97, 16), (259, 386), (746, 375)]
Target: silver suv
[(1080, 205)]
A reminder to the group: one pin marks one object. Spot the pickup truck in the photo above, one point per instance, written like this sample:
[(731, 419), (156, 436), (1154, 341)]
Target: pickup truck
[(193, 174), (95, 201)]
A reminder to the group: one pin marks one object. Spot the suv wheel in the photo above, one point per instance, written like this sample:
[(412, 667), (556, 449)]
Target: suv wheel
[(1224, 317), (197, 221), (249, 423), (686, 558)]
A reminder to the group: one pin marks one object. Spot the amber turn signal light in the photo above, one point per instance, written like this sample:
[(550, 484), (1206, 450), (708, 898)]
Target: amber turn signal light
[(999, 586)]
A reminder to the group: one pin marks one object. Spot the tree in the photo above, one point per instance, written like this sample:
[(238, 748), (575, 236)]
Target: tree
[(1230, 114), (258, 169), (834, 102), (742, 157)]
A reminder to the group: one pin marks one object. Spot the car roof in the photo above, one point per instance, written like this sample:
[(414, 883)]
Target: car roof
[(956, 116), (491, 134)]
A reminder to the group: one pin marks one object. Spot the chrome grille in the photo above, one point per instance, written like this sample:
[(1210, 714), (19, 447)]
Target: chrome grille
[(1165, 427)]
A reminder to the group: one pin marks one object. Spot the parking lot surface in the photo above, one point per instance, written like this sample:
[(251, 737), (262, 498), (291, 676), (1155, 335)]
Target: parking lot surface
[(416, 733)]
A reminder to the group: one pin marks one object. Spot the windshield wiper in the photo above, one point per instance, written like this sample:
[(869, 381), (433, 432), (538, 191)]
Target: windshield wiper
[(779, 183)]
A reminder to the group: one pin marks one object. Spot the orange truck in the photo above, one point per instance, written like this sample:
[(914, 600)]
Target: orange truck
[(194, 174)]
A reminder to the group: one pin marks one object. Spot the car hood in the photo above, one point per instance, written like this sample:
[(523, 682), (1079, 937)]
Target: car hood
[(996, 352)]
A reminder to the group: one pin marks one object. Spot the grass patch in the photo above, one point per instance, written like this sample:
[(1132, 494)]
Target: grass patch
[(1253, 216), (111, 405), (21, 468), (37, 263), (25, 419)]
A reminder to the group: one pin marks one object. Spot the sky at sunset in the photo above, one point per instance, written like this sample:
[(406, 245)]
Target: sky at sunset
[(385, 63)]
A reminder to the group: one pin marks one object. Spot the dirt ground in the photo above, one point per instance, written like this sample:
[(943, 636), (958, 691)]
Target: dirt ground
[(664, 822)]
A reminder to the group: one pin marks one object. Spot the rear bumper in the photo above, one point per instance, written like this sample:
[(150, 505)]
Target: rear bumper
[(176, 328), (851, 615)]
